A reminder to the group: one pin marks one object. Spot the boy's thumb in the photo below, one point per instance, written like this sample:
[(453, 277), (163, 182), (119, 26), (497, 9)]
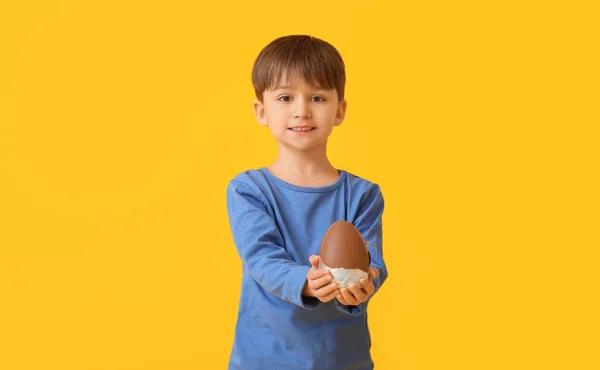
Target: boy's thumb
[(314, 260)]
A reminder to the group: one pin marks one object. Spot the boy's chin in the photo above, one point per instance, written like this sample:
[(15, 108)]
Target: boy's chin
[(303, 147)]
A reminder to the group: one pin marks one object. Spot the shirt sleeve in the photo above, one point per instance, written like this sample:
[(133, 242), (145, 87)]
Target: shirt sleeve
[(369, 222), (260, 246)]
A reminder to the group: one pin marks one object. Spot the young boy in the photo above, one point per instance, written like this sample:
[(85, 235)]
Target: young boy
[(291, 314)]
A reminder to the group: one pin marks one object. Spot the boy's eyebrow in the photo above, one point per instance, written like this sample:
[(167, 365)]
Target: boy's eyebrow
[(290, 87)]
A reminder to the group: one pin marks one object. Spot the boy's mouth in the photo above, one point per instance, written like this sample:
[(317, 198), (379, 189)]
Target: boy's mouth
[(302, 129)]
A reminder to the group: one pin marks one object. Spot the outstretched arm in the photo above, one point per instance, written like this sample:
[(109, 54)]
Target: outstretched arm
[(260, 246)]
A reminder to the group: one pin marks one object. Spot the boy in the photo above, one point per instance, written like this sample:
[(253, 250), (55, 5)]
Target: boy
[(291, 314)]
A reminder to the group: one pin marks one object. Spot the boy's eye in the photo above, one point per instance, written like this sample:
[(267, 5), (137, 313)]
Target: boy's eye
[(286, 98)]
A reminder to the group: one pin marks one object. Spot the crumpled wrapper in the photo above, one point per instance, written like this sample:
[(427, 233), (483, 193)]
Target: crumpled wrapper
[(343, 277)]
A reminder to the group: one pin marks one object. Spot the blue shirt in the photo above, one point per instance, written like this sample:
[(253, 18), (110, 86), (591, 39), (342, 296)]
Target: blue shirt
[(276, 226)]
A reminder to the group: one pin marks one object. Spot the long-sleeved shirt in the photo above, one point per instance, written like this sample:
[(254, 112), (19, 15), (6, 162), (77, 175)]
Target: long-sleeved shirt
[(276, 227)]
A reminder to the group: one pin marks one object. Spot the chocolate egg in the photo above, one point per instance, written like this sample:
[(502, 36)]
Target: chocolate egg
[(344, 247)]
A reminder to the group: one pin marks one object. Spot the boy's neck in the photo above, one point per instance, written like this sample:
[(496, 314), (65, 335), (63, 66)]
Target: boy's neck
[(304, 168)]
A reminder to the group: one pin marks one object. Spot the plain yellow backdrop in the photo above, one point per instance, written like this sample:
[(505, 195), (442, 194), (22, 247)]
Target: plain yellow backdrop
[(121, 123)]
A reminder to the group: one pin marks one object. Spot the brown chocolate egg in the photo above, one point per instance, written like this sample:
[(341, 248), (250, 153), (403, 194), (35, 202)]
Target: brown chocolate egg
[(344, 247)]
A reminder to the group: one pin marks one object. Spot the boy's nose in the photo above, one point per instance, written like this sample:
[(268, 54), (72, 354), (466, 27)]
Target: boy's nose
[(302, 115), (302, 111)]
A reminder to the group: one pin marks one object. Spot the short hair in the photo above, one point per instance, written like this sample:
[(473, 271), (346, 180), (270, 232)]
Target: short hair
[(317, 61)]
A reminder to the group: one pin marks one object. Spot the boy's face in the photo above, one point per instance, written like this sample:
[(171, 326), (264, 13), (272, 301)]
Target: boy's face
[(293, 106)]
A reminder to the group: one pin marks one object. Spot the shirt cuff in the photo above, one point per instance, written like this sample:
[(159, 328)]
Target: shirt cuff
[(352, 310)]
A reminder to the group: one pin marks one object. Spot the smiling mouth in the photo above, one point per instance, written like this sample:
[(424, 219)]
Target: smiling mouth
[(302, 129)]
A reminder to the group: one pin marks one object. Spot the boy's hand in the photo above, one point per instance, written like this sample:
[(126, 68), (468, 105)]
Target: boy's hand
[(319, 282), (354, 295)]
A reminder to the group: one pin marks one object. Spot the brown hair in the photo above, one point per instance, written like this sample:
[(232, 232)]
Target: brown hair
[(301, 55)]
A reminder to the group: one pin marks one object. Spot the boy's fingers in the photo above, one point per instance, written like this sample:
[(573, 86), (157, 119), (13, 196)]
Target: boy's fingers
[(367, 286), (331, 296), (349, 298), (315, 274), (358, 293), (314, 260), (373, 273), (320, 282), (326, 290)]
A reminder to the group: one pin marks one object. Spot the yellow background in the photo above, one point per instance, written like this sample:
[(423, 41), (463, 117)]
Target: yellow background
[(121, 123)]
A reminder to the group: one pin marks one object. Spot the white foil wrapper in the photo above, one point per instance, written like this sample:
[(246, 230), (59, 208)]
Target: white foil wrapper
[(343, 277)]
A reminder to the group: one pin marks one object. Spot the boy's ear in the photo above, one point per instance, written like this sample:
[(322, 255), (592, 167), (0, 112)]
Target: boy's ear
[(259, 112), (341, 112)]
